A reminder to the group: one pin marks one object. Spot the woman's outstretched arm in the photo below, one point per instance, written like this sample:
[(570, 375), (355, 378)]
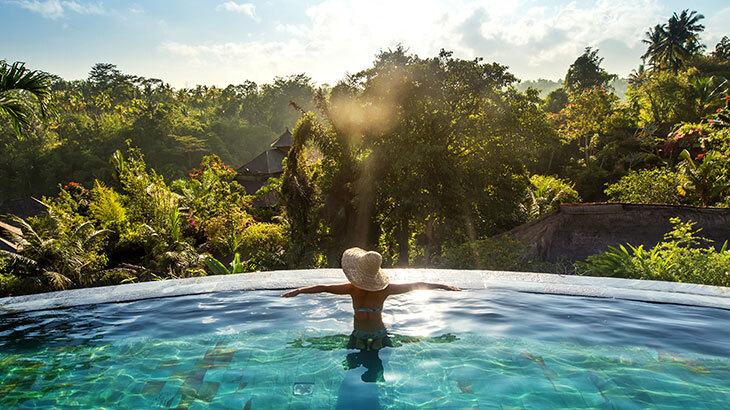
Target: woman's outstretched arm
[(396, 289), (342, 289)]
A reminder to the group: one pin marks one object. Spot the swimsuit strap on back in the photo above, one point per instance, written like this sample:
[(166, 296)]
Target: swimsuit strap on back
[(367, 309)]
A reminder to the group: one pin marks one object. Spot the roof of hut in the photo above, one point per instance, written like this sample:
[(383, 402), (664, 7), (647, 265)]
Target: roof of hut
[(268, 162), (285, 140)]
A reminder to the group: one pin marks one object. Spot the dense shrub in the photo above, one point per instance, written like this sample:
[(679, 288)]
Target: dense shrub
[(494, 254), (140, 229), (264, 245), (651, 186), (677, 258)]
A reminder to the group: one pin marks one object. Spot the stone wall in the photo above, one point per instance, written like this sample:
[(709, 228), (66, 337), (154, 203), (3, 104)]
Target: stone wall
[(576, 231)]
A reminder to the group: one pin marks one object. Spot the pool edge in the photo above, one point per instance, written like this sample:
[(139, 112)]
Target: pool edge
[(602, 287)]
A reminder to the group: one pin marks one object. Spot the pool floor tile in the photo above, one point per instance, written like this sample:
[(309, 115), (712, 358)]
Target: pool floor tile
[(153, 387)]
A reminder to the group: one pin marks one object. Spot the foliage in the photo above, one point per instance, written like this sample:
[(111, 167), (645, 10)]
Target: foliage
[(59, 250), (670, 45), (663, 98), (706, 175), (225, 231), (600, 141), (502, 253), (586, 73), (722, 49), (264, 245), (556, 101), (546, 193), (217, 268), (299, 195), (651, 186), (692, 137), (213, 202), (419, 158), (151, 231), (18, 88), (677, 258), (468, 135), (106, 206), (175, 128)]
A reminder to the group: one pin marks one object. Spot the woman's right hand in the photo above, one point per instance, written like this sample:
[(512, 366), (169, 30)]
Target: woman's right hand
[(290, 294)]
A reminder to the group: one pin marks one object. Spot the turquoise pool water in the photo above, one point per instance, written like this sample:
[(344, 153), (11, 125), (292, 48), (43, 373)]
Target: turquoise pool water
[(474, 349)]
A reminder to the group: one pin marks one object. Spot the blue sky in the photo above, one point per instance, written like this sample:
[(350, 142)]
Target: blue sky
[(218, 42)]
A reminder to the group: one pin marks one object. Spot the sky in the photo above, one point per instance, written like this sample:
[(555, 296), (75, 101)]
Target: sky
[(221, 42)]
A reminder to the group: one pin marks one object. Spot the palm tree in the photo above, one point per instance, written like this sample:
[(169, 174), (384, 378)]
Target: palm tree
[(637, 76), (55, 261), (681, 39), (671, 44), (18, 87), (654, 38)]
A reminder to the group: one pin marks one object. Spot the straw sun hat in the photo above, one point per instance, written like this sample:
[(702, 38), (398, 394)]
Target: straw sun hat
[(362, 269)]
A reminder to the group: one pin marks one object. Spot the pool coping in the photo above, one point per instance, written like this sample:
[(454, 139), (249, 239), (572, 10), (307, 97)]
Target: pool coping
[(601, 287)]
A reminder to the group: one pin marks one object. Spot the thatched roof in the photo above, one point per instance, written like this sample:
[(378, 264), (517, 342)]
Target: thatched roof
[(576, 231), (285, 140), (268, 163), (24, 208)]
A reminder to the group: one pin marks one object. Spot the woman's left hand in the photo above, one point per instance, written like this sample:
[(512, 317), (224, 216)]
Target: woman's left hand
[(290, 294)]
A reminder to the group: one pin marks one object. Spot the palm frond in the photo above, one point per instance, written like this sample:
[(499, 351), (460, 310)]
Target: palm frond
[(21, 260), (57, 280)]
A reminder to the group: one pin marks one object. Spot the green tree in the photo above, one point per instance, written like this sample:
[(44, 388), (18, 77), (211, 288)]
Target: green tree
[(427, 151), (586, 72), (556, 101)]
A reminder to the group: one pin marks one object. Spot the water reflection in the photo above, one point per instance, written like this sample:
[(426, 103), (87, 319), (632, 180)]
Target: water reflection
[(368, 350)]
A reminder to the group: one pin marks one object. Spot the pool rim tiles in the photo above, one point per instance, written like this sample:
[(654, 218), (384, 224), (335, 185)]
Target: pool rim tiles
[(570, 285)]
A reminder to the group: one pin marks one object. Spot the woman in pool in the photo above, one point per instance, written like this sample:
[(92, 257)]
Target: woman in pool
[(368, 288)]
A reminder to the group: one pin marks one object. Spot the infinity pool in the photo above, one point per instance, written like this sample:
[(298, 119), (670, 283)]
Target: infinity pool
[(487, 348)]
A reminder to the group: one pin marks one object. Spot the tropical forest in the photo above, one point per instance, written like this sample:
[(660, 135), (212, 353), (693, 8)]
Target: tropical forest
[(428, 159)]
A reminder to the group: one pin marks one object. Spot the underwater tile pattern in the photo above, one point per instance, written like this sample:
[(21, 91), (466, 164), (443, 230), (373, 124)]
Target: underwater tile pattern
[(276, 371)]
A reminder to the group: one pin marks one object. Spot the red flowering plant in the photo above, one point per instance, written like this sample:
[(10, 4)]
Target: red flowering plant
[(73, 198), (690, 136), (586, 117), (209, 193), (225, 232), (721, 119)]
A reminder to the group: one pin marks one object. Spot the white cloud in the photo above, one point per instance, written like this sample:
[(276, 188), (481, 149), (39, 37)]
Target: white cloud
[(716, 27), (341, 36), (84, 8), (55, 9), (51, 9), (243, 8)]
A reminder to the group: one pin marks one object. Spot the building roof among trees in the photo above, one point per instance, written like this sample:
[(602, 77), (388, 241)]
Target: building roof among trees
[(285, 140), (269, 162), (23, 208)]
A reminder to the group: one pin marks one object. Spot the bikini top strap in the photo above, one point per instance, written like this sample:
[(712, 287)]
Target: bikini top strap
[(367, 309)]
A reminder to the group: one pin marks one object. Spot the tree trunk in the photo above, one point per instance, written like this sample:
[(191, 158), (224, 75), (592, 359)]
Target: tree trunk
[(404, 236)]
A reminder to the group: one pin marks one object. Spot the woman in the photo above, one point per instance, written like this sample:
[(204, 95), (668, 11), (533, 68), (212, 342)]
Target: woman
[(368, 288)]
